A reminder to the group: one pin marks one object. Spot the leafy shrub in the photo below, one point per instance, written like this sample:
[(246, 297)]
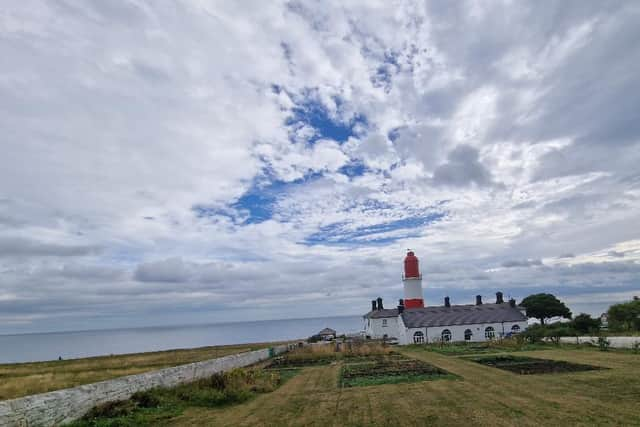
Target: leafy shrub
[(584, 324), (557, 330), (146, 399), (151, 406), (603, 343), (625, 316), (314, 338), (117, 408), (534, 333)]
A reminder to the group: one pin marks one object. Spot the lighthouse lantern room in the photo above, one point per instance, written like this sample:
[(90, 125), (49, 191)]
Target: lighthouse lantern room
[(412, 281)]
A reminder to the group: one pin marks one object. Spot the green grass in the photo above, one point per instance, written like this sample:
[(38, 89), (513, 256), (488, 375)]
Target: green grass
[(394, 379), (482, 396)]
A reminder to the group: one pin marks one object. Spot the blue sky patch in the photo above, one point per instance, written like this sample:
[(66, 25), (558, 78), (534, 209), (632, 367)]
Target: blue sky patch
[(342, 233), (353, 169), (312, 113), (258, 203)]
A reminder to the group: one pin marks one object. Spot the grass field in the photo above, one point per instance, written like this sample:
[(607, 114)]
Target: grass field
[(482, 396), (23, 379)]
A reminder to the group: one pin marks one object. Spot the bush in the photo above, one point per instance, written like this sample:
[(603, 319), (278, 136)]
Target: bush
[(603, 343), (534, 333), (117, 408), (625, 316), (151, 406), (584, 324), (554, 331), (146, 399), (557, 330)]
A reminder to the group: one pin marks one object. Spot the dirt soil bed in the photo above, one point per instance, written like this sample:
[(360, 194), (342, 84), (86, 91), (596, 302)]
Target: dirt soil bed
[(530, 365), (388, 369)]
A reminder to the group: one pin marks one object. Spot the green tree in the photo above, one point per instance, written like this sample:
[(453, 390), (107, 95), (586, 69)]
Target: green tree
[(584, 323), (545, 306), (625, 316)]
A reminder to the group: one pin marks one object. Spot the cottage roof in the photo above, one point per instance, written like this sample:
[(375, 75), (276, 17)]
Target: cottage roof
[(385, 312), (327, 331), (461, 315)]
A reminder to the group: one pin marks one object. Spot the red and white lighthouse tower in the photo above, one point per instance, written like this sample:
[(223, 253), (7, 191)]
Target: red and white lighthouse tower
[(412, 281)]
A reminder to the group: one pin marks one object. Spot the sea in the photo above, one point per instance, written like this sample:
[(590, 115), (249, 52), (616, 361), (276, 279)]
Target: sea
[(36, 347)]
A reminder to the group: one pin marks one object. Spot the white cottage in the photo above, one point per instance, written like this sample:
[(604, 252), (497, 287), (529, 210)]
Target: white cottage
[(471, 323), (413, 323)]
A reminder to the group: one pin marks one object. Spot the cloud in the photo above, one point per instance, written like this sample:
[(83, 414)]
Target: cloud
[(522, 263), (172, 270), (462, 168), (17, 247), (200, 162)]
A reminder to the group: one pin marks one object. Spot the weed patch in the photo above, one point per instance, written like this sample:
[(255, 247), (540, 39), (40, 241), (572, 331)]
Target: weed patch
[(319, 355), (152, 406)]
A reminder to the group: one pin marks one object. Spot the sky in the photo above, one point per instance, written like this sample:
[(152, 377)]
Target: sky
[(193, 161)]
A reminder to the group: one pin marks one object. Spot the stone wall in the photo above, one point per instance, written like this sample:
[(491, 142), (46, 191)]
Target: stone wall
[(62, 406)]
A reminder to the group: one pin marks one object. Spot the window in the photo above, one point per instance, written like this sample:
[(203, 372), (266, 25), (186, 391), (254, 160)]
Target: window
[(489, 333), (515, 329), (446, 335), (418, 338), (468, 334), (384, 323)]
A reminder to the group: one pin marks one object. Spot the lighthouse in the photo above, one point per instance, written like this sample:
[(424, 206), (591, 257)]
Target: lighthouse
[(412, 281)]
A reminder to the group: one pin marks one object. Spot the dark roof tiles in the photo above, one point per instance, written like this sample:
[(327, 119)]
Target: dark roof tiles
[(385, 312), (461, 315)]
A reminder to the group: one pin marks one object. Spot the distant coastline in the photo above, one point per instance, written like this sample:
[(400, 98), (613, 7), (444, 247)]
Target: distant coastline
[(181, 325), (43, 346)]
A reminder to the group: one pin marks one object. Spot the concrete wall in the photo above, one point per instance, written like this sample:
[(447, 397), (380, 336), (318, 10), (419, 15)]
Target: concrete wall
[(375, 329), (61, 406), (478, 330), (434, 334), (616, 342)]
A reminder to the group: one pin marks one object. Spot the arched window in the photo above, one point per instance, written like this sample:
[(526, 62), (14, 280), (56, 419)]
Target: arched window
[(489, 333), (515, 329), (418, 338), (468, 334), (446, 335), (384, 323)]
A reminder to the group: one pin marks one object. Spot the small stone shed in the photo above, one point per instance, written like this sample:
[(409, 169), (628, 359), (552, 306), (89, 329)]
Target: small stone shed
[(327, 334)]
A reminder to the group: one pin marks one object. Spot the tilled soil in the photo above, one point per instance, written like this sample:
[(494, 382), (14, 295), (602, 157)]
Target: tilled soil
[(393, 365), (530, 366)]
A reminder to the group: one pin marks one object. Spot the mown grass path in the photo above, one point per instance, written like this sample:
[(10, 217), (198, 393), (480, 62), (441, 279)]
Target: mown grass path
[(484, 396)]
